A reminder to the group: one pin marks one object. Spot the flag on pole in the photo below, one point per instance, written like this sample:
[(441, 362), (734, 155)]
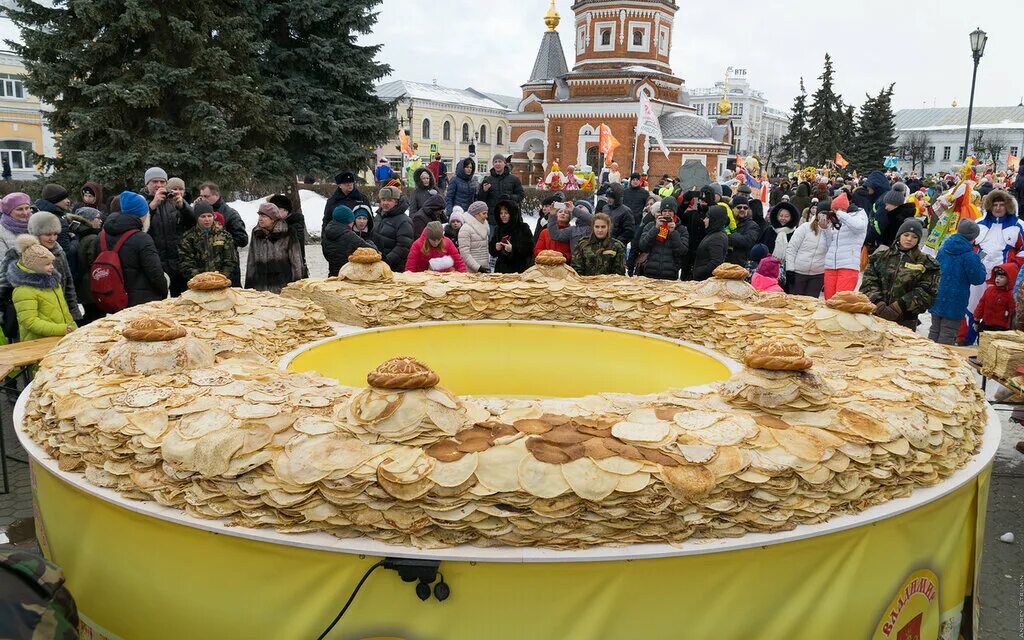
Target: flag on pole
[(647, 123), (403, 139), (740, 162), (841, 161), (607, 144), (1012, 162)]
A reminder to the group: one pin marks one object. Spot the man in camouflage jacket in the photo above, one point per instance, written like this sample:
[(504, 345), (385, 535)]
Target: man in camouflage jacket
[(34, 603), (205, 249), (900, 280)]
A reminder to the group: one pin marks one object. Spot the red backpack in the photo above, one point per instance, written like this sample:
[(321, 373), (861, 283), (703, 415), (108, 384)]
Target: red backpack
[(106, 276)]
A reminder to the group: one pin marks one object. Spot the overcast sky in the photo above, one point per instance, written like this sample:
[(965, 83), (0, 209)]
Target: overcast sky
[(922, 46)]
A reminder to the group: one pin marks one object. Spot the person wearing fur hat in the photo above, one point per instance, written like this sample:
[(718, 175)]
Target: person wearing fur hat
[(805, 257), (463, 187), (275, 252), (40, 305), (432, 209), (144, 277), (392, 230), (512, 241), (901, 281), (783, 220), (432, 251), (170, 216), (339, 241), (961, 268), (562, 217), (15, 210), (346, 193), (455, 220), (766, 276), (296, 222), (92, 196), (46, 228), (473, 239), (207, 247)]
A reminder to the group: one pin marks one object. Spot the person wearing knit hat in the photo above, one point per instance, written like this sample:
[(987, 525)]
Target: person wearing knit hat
[(169, 214), (900, 280), (432, 251), (92, 196), (15, 209), (473, 239), (961, 268), (176, 185), (276, 255), (39, 302), (664, 242), (207, 247), (890, 215), (455, 222), (362, 223), (144, 276), (155, 174), (766, 277)]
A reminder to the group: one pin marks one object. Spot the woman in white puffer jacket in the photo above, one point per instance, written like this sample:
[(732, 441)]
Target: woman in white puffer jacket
[(473, 237), (842, 262), (805, 257)]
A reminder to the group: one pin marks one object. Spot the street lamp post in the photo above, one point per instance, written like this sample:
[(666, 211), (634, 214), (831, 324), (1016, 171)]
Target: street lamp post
[(978, 41)]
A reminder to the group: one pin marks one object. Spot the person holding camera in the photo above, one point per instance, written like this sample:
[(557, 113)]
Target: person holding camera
[(848, 226), (664, 242), (170, 217), (805, 257)]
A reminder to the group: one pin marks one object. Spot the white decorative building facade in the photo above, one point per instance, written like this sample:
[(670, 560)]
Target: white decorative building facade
[(938, 136)]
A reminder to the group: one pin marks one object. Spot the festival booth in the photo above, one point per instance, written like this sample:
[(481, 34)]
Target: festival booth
[(538, 455)]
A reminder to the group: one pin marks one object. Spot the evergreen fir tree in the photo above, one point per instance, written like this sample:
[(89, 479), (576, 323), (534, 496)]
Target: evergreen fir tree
[(795, 140), (324, 81), (142, 83), (876, 131), (847, 131), (825, 119)]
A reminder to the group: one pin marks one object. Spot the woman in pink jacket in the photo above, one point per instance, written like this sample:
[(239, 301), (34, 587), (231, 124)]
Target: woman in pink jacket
[(434, 252)]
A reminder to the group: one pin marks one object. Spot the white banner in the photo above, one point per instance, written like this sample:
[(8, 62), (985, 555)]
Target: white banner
[(647, 123)]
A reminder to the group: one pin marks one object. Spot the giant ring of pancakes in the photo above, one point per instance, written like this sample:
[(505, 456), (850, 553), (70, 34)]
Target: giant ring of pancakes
[(835, 412)]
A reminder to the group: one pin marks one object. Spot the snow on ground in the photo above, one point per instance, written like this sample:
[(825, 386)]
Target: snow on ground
[(312, 208)]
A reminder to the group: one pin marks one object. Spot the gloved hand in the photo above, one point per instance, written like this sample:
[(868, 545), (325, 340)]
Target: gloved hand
[(484, 270), (891, 312)]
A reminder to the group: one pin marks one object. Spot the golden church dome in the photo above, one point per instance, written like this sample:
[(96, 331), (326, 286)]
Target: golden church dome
[(551, 18)]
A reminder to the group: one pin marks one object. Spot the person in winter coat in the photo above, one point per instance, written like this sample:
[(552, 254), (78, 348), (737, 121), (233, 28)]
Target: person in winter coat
[(848, 226), (275, 256), (55, 200), (425, 189), (665, 243), (600, 254), (15, 210), (545, 243), (650, 214), (878, 186), (340, 241), (635, 198), (143, 271), (499, 186), (233, 223), (692, 212), (776, 235), (42, 310), (802, 199), (512, 242), (170, 216), (432, 251), (455, 220), (392, 230), (766, 277), (622, 217), (86, 221), (92, 196), (463, 187), (46, 228), (473, 239), (432, 210), (583, 216), (745, 235), (1001, 239), (714, 247), (996, 310), (547, 207), (890, 214), (207, 247), (346, 194), (363, 225), (961, 267), (805, 257), (296, 223), (901, 281)]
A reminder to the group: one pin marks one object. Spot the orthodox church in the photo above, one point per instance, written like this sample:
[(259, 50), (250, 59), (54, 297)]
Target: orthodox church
[(622, 51)]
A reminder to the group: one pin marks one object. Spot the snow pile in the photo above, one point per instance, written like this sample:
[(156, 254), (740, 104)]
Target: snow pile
[(312, 209)]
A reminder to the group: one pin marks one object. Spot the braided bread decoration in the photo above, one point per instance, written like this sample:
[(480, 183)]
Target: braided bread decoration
[(365, 255), (550, 258), (851, 302), (729, 271), (209, 281), (153, 330), (403, 373), (777, 355)]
